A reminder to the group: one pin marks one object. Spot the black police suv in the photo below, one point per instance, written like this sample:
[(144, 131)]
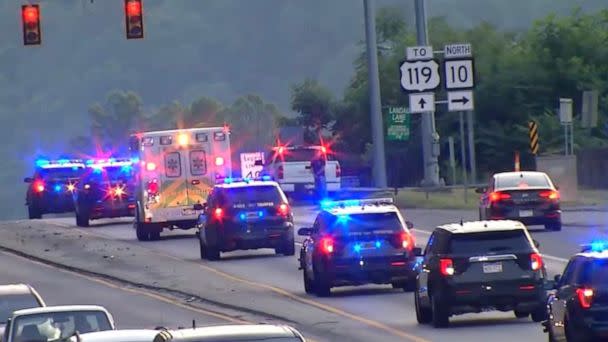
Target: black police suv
[(528, 196), (479, 266), (577, 308), (106, 190), (50, 188), (356, 242), (246, 214)]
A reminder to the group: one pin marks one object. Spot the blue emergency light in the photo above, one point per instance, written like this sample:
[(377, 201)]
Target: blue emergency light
[(595, 246), (61, 163), (330, 204), (230, 180)]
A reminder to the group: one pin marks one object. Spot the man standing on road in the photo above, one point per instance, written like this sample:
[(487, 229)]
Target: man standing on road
[(317, 165)]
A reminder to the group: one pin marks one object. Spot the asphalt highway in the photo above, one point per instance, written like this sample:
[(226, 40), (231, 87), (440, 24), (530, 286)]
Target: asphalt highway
[(393, 310)]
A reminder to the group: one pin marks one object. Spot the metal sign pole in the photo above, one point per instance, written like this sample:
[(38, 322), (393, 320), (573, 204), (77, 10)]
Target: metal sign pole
[(463, 156)]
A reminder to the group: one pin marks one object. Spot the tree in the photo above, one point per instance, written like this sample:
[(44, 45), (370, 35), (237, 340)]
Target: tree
[(314, 105), (252, 123)]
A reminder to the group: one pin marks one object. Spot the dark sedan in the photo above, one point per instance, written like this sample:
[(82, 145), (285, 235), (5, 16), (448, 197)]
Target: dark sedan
[(528, 196)]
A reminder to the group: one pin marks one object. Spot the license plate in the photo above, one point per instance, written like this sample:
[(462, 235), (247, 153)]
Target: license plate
[(525, 213), (368, 245), (251, 215), (189, 212), (492, 268), (309, 186)]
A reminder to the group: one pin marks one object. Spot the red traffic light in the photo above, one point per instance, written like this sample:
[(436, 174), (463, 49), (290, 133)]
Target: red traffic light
[(134, 19), (31, 24)]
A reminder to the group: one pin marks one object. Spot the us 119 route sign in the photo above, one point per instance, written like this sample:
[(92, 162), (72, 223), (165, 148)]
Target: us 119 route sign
[(420, 72)]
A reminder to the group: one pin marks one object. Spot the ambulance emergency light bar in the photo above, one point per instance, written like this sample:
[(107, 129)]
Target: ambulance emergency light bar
[(60, 163), (329, 204)]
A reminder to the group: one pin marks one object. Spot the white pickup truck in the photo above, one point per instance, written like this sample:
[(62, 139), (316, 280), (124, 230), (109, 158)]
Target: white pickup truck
[(290, 167)]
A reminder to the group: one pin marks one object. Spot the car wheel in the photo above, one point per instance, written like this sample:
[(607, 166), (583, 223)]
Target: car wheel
[(33, 212), (213, 253), (321, 285), (82, 218), (142, 233), (441, 319), (308, 285), (539, 314), (407, 286), (521, 314), (287, 248), (423, 315), (554, 226)]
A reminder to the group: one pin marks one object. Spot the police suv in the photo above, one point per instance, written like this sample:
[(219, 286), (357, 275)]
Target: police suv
[(246, 214), (473, 267), (578, 305), (106, 190), (50, 189), (356, 242)]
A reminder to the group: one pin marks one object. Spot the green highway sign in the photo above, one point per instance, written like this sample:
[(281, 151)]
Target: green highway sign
[(398, 123)]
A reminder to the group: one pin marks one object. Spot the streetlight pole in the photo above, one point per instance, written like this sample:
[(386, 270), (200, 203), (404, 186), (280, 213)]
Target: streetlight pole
[(429, 135), (379, 161)]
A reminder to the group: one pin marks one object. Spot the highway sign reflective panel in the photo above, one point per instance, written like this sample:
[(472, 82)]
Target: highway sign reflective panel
[(422, 102), (419, 53), (460, 101), (459, 74), (420, 75), (457, 51)]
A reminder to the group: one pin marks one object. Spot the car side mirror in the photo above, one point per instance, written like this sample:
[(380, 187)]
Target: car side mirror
[(305, 231), (409, 224), (536, 244), (480, 190), (418, 251), (28, 179), (557, 278), (549, 285)]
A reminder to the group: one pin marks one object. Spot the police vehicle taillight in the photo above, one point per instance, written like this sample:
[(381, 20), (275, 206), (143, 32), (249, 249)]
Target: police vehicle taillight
[(536, 261), (446, 267), (283, 209), (218, 213), (327, 245), (219, 161), (39, 186), (585, 297)]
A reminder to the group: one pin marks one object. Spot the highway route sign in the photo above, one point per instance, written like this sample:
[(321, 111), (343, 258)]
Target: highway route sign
[(460, 101), (420, 75), (457, 51), (459, 74), (422, 102), (419, 53)]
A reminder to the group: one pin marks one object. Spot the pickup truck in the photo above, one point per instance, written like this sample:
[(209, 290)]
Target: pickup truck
[(56, 323), (290, 167)]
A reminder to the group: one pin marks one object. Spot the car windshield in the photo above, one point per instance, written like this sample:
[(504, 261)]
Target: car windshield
[(254, 194), (61, 173), (523, 180), (366, 222), (10, 303), (57, 326), (499, 242), (595, 273)]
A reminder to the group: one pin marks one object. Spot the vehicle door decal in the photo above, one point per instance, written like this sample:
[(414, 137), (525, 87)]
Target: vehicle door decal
[(173, 165), (198, 163), (199, 185)]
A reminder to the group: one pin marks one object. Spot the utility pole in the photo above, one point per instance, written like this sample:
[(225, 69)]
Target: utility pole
[(471, 134), (379, 159), (429, 135)]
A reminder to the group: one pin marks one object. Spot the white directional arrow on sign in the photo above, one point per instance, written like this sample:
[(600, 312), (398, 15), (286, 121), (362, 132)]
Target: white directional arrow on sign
[(422, 102), (460, 101), (420, 75)]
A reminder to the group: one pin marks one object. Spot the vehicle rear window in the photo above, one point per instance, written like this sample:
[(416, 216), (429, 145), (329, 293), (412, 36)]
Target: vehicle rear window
[(124, 173), (253, 194), (595, 273), (10, 303), (366, 222), (517, 181), (490, 242), (61, 173)]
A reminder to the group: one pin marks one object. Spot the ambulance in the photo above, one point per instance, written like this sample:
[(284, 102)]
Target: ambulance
[(178, 169)]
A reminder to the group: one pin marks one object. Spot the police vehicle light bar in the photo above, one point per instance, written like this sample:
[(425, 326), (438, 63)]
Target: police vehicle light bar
[(61, 163), (329, 204), (100, 163), (230, 180), (595, 246)]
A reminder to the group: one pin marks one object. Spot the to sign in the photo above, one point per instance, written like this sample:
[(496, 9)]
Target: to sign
[(419, 53), (420, 75), (459, 74)]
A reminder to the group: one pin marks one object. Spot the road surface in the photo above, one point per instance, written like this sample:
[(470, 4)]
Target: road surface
[(392, 308)]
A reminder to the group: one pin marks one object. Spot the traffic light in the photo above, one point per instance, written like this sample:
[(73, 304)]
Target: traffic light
[(30, 15), (134, 18)]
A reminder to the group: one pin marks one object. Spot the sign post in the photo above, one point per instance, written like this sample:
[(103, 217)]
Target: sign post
[(398, 123), (565, 118)]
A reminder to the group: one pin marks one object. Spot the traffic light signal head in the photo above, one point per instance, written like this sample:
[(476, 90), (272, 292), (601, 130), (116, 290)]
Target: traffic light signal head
[(134, 19), (30, 15)]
